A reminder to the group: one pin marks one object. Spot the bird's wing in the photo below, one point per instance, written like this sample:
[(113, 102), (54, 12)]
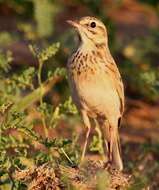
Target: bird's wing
[(112, 70)]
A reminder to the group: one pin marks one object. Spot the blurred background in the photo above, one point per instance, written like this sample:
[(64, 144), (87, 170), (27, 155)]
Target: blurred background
[(37, 117)]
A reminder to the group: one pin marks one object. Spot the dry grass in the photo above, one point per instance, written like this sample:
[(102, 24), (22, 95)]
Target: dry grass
[(90, 175)]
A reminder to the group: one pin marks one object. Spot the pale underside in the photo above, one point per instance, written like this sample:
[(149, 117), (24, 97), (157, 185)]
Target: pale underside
[(96, 94)]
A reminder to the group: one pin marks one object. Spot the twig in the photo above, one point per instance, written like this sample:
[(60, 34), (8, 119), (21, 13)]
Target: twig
[(66, 156), (33, 97)]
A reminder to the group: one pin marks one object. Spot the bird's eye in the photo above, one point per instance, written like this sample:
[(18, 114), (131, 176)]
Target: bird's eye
[(93, 24)]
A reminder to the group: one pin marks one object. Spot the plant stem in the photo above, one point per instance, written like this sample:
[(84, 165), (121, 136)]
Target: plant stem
[(41, 97), (29, 99), (66, 155), (12, 180)]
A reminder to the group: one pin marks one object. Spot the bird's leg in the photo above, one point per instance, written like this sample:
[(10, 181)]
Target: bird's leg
[(111, 132), (104, 126), (107, 137), (87, 124), (101, 149)]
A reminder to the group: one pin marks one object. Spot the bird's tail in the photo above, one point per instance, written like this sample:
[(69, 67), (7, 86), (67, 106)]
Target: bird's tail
[(116, 154), (112, 141)]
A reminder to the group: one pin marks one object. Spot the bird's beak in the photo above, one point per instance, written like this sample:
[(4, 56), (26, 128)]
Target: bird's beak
[(73, 23)]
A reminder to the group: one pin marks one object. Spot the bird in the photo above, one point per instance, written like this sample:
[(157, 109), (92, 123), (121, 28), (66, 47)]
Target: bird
[(96, 85)]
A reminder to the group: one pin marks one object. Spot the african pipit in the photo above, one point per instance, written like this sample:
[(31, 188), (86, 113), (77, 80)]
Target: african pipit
[(96, 85)]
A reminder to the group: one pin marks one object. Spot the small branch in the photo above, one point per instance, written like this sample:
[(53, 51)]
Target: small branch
[(66, 156), (33, 97), (41, 97), (12, 180)]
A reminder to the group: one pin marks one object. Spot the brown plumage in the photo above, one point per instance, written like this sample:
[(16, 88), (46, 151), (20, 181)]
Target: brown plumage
[(96, 85)]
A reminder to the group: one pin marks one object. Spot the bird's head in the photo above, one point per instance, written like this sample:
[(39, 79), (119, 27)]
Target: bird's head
[(91, 30)]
